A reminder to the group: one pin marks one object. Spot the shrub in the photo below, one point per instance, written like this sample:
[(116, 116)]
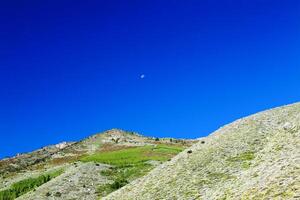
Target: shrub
[(57, 194), (48, 194), (118, 183)]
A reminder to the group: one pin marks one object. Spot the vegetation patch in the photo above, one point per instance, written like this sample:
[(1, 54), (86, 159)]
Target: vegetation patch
[(135, 155), (122, 175), (19, 188), (130, 163), (243, 160), (216, 176), (63, 160), (246, 156), (246, 165)]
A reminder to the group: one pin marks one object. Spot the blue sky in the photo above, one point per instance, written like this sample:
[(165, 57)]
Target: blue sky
[(69, 69)]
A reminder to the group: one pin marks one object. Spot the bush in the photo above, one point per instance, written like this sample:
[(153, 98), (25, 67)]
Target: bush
[(118, 183), (48, 194), (57, 194)]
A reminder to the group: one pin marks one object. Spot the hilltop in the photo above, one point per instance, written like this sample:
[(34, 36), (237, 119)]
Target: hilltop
[(257, 157)]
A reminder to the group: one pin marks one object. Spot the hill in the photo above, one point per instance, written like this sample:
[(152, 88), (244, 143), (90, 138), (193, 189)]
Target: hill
[(88, 169), (257, 157)]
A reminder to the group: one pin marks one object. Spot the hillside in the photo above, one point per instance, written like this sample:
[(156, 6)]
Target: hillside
[(257, 157), (88, 169)]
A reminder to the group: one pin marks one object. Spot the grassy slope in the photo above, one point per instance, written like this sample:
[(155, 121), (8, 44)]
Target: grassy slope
[(134, 164), (19, 188), (134, 155), (130, 163)]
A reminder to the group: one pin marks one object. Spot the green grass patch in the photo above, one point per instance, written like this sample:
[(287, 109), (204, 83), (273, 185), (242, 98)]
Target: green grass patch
[(134, 155), (243, 160), (19, 188), (129, 164), (246, 156), (121, 175), (246, 165)]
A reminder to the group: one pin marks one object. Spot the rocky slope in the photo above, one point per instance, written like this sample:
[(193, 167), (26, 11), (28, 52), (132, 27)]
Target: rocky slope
[(257, 157), (80, 179), (24, 160)]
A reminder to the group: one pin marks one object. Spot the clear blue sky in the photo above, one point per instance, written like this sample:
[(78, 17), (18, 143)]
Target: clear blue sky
[(69, 69)]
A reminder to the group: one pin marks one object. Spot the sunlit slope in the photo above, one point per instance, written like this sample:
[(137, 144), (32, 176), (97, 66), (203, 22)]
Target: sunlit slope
[(88, 169), (257, 157)]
